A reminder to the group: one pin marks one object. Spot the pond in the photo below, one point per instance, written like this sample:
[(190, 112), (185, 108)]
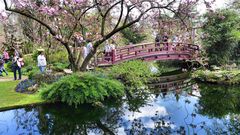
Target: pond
[(194, 109)]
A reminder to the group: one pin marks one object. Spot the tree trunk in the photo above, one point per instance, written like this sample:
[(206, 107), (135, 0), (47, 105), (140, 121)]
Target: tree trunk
[(87, 59)]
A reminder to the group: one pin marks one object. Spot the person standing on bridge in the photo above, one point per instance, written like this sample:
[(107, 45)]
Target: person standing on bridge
[(107, 51), (157, 42), (88, 49), (175, 42), (165, 40)]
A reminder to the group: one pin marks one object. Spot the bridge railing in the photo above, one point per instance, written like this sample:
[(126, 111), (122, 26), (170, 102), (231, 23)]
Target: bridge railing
[(141, 50)]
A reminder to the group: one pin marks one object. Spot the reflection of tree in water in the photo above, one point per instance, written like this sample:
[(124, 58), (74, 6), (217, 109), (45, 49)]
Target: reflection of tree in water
[(134, 102), (165, 125), (231, 126), (63, 119), (218, 101), (26, 119)]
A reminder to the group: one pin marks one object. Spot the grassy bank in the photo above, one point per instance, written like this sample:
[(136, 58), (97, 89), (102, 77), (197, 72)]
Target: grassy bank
[(11, 99), (218, 77)]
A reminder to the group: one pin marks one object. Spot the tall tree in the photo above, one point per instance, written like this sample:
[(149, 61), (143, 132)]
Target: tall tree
[(71, 21), (221, 35)]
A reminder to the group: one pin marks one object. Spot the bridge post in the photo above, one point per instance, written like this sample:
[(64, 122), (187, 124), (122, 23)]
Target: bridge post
[(113, 56)]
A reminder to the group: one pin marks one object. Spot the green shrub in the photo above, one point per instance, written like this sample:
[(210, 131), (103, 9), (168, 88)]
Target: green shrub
[(29, 61), (28, 48), (59, 67), (9, 66), (133, 73), (133, 35), (40, 78), (57, 57), (168, 66), (221, 35), (220, 77), (35, 55), (31, 72), (85, 88)]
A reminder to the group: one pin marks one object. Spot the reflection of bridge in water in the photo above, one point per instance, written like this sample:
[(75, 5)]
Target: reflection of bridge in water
[(177, 83), (172, 82), (150, 52)]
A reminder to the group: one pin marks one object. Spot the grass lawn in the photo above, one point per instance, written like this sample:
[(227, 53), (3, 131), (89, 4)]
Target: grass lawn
[(11, 99)]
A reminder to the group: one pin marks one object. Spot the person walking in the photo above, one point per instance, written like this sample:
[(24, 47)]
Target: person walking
[(2, 69), (42, 63), (17, 65), (6, 56)]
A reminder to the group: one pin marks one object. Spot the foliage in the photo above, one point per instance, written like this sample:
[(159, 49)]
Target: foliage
[(31, 71), (133, 35), (84, 88), (9, 66), (59, 67), (59, 56), (219, 101), (99, 25), (221, 35), (28, 48), (132, 73), (220, 77), (40, 78), (168, 66), (35, 55), (29, 61)]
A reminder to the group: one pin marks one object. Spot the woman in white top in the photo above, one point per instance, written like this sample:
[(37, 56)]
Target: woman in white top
[(42, 63)]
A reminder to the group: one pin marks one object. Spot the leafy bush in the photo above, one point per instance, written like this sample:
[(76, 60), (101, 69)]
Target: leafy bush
[(132, 35), (220, 77), (27, 48), (59, 67), (168, 66), (133, 73), (35, 55), (221, 35), (40, 78), (29, 61), (85, 88), (30, 71), (58, 57), (9, 66)]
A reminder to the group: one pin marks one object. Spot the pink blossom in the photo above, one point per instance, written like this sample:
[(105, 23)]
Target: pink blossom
[(3, 15), (48, 10)]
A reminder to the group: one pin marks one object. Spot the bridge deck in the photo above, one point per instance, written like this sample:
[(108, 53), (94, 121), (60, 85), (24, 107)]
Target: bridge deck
[(150, 52)]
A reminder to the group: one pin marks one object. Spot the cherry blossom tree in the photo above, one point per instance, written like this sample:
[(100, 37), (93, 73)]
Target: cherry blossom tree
[(71, 22)]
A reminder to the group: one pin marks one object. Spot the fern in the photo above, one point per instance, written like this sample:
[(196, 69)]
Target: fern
[(85, 88)]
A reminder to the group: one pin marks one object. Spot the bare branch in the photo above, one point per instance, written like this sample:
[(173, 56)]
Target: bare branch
[(105, 15), (121, 14), (77, 21)]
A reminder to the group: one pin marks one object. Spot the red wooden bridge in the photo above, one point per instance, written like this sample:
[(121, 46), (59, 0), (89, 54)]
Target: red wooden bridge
[(150, 52)]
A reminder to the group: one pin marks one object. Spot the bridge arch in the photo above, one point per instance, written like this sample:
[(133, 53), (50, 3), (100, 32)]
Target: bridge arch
[(150, 52)]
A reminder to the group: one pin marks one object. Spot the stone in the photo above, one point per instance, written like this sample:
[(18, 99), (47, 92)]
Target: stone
[(67, 71)]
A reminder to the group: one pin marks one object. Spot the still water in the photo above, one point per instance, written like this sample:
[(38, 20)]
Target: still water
[(195, 109)]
